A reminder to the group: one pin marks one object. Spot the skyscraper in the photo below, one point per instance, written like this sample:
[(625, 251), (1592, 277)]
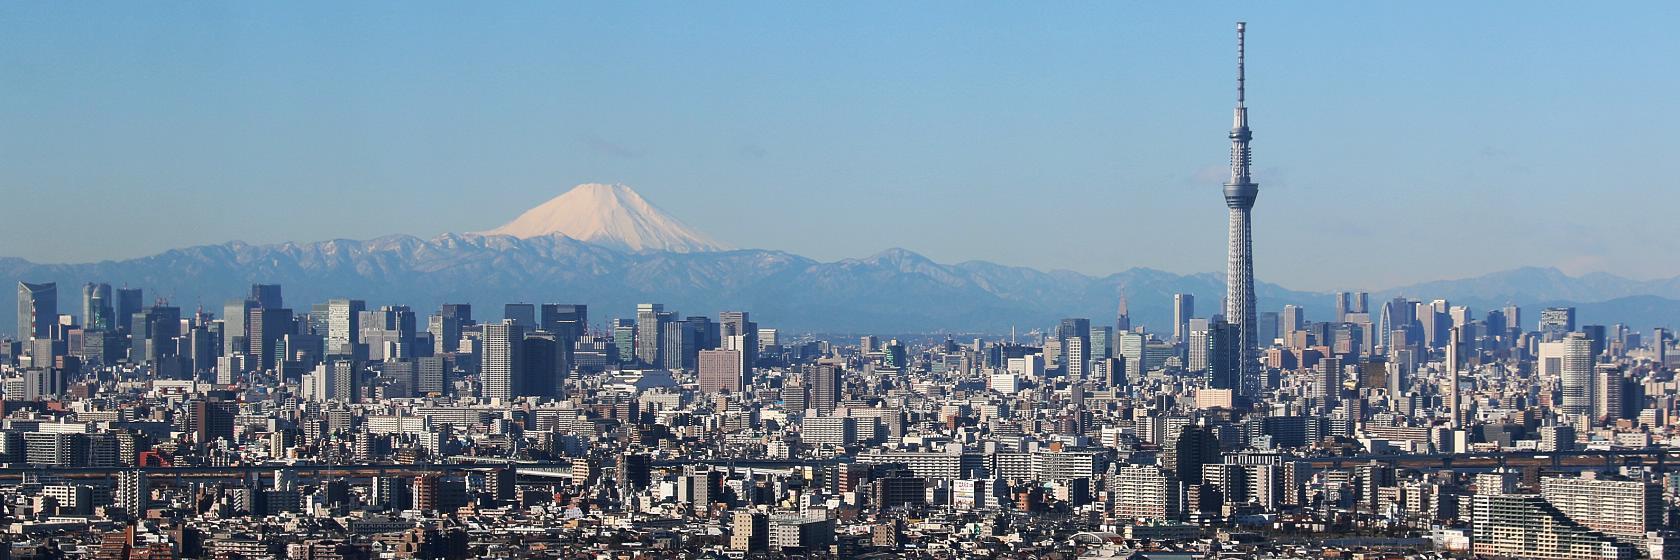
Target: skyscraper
[(1455, 405), (1555, 322), (522, 314), (1073, 335), (1577, 374), (650, 333), (96, 306), (344, 318), (445, 331), (737, 323), (267, 295), (1196, 354), (128, 303), (1184, 307), (568, 322), (503, 362), (37, 309), (825, 384), (388, 332), (462, 312), (1223, 350), (1240, 193), (236, 316), (720, 371), (543, 374), (1123, 316), (1294, 318), (266, 328)]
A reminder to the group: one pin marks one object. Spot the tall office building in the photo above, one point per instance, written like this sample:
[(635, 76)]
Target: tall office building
[(1123, 315), (1620, 395), (462, 312), (737, 323), (1073, 334), (389, 332), (1460, 315), (1224, 352), (1130, 347), (502, 366), (96, 306), (267, 328), (335, 380), (680, 348), (236, 316), (720, 371), (1397, 315), (446, 333), (1455, 361), (1240, 193), (650, 333), (1268, 331), (129, 302), (1600, 341), (1294, 318), (825, 383), (1196, 340), (1432, 318), (267, 295), (624, 340), (1341, 306), (344, 325), (37, 310), (568, 322), (522, 314), (1184, 307), (155, 330), (1577, 375), (543, 373), (1102, 342), (1555, 322), (431, 375)]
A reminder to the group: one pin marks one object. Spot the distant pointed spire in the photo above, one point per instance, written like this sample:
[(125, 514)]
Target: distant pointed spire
[(1123, 317)]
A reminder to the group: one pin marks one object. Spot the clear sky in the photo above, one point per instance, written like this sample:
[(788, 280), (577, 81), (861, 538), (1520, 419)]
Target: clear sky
[(1394, 142)]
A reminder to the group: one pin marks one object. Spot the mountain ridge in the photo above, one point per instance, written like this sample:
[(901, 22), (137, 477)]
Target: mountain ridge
[(894, 290)]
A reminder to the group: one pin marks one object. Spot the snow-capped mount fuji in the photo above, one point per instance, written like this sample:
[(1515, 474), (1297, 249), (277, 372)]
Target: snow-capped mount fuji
[(612, 216)]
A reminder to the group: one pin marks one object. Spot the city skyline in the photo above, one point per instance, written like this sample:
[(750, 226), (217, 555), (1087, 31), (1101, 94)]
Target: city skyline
[(1130, 143), (598, 378)]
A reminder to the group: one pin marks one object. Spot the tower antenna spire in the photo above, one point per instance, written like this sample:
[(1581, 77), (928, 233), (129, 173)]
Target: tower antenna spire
[(1241, 26)]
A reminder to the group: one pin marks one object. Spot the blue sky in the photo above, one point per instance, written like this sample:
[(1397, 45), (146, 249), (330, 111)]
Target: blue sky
[(1393, 142)]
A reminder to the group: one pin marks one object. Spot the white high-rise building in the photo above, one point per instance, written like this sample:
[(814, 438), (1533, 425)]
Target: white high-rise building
[(500, 367), (1577, 375)]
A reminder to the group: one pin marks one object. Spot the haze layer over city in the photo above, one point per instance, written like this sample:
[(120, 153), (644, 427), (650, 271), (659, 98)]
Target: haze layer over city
[(391, 281)]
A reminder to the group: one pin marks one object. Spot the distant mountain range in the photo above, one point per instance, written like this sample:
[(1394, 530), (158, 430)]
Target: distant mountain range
[(648, 259)]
